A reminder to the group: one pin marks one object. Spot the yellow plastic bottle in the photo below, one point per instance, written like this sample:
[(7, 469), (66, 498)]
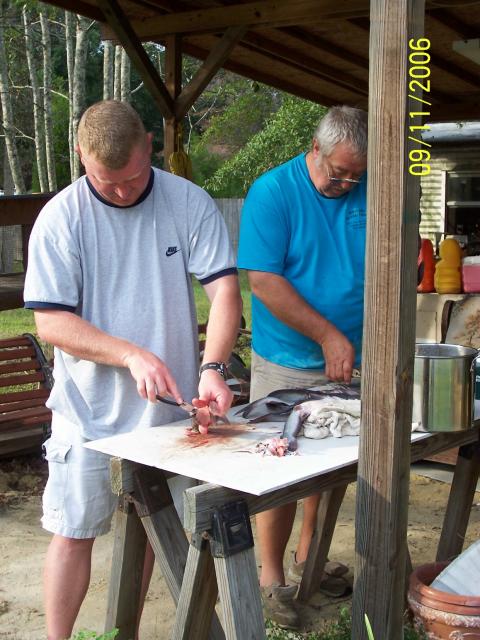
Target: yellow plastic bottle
[(448, 276)]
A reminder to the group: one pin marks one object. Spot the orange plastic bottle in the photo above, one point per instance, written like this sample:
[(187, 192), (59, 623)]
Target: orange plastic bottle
[(426, 256), (448, 276)]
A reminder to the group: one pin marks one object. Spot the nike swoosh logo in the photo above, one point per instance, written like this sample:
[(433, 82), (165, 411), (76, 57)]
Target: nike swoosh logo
[(171, 251)]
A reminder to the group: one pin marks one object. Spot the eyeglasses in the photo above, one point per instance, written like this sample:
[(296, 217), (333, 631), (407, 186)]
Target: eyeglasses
[(340, 180)]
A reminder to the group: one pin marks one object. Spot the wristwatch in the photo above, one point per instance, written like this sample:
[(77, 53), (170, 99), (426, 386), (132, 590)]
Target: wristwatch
[(220, 367)]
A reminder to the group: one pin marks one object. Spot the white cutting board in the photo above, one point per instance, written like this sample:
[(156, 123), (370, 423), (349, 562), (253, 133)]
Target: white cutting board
[(222, 457)]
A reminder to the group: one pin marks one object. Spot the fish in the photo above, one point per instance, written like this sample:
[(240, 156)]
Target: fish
[(293, 426), (278, 405)]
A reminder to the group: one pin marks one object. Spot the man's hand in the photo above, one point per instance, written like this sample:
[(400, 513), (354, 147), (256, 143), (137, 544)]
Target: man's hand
[(339, 355), (151, 375), (213, 389)]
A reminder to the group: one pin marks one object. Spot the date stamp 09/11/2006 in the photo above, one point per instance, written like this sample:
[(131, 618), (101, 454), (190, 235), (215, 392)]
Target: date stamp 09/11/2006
[(418, 86)]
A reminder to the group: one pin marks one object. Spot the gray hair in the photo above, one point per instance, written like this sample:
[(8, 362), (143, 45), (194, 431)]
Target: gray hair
[(343, 124)]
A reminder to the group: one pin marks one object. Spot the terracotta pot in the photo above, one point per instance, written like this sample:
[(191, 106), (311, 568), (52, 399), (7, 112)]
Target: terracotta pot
[(444, 616)]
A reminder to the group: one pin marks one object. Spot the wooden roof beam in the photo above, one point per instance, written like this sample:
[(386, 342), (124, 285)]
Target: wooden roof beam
[(214, 61), (305, 63), (323, 45), (137, 54), (266, 13), (274, 81), (77, 6), (437, 61), (453, 112), (449, 20)]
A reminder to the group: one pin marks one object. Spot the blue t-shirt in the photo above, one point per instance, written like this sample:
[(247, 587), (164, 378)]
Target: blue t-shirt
[(318, 245)]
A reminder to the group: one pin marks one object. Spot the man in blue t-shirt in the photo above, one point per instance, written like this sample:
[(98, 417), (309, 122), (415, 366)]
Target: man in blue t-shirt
[(302, 240)]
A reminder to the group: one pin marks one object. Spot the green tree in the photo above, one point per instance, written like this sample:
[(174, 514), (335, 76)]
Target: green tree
[(286, 133)]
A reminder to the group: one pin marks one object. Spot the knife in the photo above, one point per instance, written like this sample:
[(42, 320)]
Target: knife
[(186, 406)]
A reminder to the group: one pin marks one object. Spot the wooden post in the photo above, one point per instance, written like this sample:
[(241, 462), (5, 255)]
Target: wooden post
[(173, 82), (127, 570), (389, 331)]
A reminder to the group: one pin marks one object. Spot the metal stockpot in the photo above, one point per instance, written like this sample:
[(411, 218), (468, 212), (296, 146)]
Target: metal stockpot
[(444, 387)]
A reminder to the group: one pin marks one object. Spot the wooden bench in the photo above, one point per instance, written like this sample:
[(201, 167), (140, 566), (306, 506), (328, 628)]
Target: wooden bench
[(25, 383)]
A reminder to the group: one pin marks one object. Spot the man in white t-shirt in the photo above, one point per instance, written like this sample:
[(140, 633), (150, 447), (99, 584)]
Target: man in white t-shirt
[(109, 279)]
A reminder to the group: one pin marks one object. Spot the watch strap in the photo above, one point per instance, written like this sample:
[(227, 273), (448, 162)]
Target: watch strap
[(220, 367)]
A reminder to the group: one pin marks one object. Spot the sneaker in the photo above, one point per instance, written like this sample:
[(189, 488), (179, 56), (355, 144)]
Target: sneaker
[(279, 606), (333, 583)]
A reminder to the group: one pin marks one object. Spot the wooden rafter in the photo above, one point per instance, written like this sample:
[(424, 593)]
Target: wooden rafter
[(269, 13), (456, 112), (323, 45), (212, 64), (437, 61), (283, 84), (306, 63), (137, 54), (465, 31), (77, 6)]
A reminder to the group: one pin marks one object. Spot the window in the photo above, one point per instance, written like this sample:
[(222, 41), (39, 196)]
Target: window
[(463, 206)]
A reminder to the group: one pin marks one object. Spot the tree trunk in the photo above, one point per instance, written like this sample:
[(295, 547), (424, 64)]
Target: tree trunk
[(8, 126), (125, 94), (9, 236), (70, 49), (108, 63), (37, 102), (47, 102), (117, 84), (79, 71)]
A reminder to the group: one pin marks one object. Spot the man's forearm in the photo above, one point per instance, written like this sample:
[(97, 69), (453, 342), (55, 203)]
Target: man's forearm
[(278, 295), (223, 319), (79, 338)]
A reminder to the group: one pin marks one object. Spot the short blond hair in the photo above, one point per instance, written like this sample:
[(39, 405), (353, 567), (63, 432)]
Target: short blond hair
[(109, 131)]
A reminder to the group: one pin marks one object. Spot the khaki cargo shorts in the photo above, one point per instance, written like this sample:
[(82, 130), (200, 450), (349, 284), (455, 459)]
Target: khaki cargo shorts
[(268, 376), (78, 501)]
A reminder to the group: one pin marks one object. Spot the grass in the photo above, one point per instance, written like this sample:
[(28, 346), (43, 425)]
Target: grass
[(17, 321), (340, 629), (14, 322), (203, 304), (91, 635)]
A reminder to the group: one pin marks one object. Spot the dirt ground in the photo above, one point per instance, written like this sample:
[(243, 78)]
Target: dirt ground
[(23, 544)]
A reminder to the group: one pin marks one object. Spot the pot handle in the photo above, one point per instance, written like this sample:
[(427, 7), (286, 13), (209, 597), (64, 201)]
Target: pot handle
[(474, 361)]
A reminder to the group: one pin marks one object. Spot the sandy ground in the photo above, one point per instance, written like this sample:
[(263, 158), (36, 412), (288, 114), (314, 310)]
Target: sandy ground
[(23, 544)]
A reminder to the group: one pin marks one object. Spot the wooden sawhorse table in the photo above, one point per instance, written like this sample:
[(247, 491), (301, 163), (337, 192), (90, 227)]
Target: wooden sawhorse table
[(219, 559)]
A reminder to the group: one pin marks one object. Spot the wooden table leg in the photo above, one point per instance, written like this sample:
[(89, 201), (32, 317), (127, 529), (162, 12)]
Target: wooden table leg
[(231, 544), (460, 502), (328, 509), (198, 596), (127, 569), (165, 533), (408, 572), (164, 530), (240, 596)]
